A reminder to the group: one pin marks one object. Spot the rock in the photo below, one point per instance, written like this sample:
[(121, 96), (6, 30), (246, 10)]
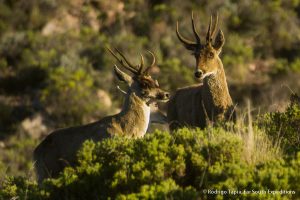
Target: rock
[(2, 145), (34, 126), (71, 18), (104, 98), (91, 19), (64, 23)]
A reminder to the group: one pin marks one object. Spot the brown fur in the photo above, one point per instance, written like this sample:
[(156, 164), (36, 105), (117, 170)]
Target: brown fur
[(60, 147), (194, 105), (209, 101)]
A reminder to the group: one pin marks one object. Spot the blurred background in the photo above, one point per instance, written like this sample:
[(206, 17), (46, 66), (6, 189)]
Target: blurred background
[(55, 70)]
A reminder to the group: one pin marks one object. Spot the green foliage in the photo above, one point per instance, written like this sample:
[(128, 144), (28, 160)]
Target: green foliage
[(237, 53), (295, 65), (174, 75), (161, 166), (15, 156), (285, 126), (70, 95), (280, 67)]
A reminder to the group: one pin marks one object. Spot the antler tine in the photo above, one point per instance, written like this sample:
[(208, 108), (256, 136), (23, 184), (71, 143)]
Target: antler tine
[(125, 59), (194, 29), (182, 39), (208, 35), (121, 61), (112, 53), (153, 58), (141, 65), (215, 26), (152, 64)]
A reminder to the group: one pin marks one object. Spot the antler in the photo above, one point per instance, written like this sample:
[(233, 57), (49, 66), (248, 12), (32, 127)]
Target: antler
[(189, 44), (209, 36), (194, 29), (210, 33), (146, 72), (141, 66), (127, 65)]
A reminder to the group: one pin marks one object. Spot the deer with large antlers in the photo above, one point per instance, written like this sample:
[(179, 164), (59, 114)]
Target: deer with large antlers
[(210, 101), (59, 148)]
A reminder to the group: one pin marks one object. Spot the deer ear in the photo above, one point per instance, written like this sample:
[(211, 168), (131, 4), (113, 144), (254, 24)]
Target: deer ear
[(190, 47), (219, 41), (122, 76)]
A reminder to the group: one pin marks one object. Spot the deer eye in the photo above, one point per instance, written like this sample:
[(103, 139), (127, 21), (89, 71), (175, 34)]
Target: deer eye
[(143, 85), (145, 93), (210, 55)]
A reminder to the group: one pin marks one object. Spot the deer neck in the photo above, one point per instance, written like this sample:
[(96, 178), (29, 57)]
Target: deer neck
[(135, 116), (215, 93)]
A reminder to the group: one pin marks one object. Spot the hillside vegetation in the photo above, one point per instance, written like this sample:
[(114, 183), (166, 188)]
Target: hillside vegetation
[(188, 164), (55, 72)]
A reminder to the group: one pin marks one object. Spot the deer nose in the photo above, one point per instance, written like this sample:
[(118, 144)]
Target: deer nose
[(163, 95), (198, 73), (167, 95)]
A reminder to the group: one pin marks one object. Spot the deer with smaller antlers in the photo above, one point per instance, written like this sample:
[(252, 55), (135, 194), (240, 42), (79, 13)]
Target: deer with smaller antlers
[(199, 105), (60, 147)]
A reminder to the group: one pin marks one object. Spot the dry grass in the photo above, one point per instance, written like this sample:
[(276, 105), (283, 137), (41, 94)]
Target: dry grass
[(258, 146)]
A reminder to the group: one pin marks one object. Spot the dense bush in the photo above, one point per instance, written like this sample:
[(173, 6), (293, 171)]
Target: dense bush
[(16, 156), (71, 95), (284, 127), (166, 78), (159, 166)]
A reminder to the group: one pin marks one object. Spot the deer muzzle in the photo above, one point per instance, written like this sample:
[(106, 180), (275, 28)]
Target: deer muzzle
[(163, 96), (198, 73)]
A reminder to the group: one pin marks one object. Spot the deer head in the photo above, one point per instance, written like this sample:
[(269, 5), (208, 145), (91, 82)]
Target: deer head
[(206, 54), (141, 83)]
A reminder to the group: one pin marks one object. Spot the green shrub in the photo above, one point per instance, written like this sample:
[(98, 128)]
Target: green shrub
[(236, 54), (160, 166), (15, 156), (174, 74), (20, 188), (284, 127), (295, 65), (70, 95), (280, 67)]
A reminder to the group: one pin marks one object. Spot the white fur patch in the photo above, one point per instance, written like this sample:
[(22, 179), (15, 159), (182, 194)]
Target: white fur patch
[(208, 74), (146, 110)]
